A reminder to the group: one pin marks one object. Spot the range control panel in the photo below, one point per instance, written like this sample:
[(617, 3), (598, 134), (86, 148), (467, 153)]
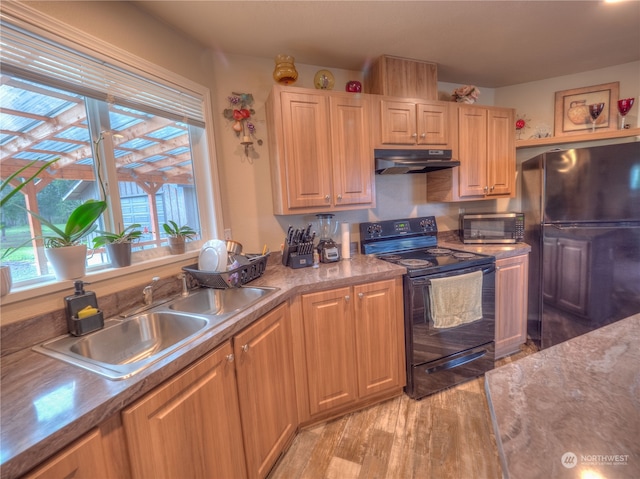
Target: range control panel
[(389, 229)]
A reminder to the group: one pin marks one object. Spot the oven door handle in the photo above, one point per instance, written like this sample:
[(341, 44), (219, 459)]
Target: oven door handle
[(485, 271), (454, 363)]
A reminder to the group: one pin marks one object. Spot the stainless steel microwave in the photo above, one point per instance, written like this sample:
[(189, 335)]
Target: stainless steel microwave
[(481, 228)]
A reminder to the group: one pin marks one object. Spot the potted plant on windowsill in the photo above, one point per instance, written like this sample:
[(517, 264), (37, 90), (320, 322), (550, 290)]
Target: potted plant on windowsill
[(178, 236), (63, 247), (5, 270), (118, 245)]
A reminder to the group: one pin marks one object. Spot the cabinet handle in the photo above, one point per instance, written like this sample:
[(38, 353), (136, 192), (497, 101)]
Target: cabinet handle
[(347, 298), (230, 358), (486, 190), (339, 197), (415, 135), (245, 348), (424, 135), (493, 187), (327, 198), (360, 295)]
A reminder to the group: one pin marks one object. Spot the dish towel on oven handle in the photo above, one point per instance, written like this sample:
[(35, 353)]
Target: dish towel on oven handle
[(456, 300)]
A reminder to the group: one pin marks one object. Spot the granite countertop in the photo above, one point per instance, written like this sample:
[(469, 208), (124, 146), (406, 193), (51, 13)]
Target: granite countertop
[(47, 404), (573, 410)]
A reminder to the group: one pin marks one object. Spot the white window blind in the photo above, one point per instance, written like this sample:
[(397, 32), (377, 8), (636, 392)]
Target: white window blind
[(37, 58)]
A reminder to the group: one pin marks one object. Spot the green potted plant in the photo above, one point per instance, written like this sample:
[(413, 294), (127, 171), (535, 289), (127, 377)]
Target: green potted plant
[(63, 247), (5, 271), (118, 245), (177, 236)]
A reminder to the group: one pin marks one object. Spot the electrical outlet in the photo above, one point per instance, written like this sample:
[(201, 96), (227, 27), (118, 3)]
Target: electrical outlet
[(227, 234)]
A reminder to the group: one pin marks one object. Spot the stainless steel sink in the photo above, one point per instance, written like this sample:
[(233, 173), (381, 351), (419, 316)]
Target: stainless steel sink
[(125, 347), (220, 301)]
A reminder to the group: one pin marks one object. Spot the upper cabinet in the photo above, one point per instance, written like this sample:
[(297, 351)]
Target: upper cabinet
[(487, 155), (320, 150), (402, 77), (413, 123)]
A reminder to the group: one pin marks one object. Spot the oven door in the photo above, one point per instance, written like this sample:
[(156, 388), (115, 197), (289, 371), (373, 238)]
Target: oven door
[(440, 358)]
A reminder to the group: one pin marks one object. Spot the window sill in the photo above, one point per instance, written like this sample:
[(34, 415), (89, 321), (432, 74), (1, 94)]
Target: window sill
[(33, 300)]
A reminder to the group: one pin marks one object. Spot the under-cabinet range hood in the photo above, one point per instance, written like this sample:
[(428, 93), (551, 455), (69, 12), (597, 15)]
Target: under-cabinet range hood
[(398, 162)]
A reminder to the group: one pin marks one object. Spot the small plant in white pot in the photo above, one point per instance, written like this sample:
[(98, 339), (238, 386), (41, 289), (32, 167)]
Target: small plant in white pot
[(5, 196), (63, 247), (178, 236), (118, 245)]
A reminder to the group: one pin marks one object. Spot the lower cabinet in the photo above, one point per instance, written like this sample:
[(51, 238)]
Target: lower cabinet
[(82, 459), (100, 454), (266, 389), (348, 347), (511, 304), (230, 415), (189, 426)]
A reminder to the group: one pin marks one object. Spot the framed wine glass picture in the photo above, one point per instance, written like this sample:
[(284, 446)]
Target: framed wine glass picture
[(573, 109)]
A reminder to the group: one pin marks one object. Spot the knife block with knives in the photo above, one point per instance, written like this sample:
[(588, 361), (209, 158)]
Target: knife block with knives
[(298, 248)]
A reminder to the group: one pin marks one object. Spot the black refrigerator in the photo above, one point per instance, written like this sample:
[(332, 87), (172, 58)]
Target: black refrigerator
[(582, 217)]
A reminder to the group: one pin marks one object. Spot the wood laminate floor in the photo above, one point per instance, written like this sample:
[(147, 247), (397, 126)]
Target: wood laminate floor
[(447, 435)]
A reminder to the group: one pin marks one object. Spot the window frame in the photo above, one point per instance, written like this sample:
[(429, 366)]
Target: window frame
[(206, 177)]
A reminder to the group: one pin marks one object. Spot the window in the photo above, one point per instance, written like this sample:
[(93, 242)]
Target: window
[(134, 139)]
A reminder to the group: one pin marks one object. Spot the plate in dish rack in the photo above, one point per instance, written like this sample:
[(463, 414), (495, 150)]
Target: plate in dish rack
[(213, 256)]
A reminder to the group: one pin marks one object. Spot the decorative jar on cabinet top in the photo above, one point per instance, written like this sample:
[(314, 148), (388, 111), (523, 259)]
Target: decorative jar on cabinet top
[(285, 72)]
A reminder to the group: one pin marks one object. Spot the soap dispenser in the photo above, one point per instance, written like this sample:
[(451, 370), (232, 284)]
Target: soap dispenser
[(83, 315)]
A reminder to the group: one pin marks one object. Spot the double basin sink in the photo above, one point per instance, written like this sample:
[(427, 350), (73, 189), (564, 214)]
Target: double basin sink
[(127, 346)]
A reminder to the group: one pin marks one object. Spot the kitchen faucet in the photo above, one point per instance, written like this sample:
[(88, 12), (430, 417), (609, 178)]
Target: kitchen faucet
[(147, 292)]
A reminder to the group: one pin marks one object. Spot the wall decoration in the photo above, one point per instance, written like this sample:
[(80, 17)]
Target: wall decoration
[(465, 94), (239, 112), (522, 123), (572, 114)]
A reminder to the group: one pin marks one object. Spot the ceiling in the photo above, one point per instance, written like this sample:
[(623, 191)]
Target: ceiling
[(486, 43)]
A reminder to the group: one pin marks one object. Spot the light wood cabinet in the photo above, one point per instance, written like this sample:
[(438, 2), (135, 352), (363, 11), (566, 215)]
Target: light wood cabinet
[(349, 347), (320, 150), (190, 426), (414, 123), (84, 459), (486, 151), (100, 453), (404, 77), (266, 389), (511, 304)]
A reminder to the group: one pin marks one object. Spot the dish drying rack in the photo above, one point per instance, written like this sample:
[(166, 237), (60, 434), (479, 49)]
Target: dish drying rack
[(234, 278)]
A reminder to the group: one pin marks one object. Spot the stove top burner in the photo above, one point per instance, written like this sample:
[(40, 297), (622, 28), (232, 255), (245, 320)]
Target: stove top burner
[(439, 251), (415, 263), (463, 255)]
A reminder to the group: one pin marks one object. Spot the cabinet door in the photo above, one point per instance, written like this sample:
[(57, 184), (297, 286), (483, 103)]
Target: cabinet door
[(264, 366), (433, 124), (307, 162), (398, 122), (351, 150), (572, 269), (379, 332), (472, 137), (190, 426), (501, 152), (329, 341), (511, 304), (84, 459)]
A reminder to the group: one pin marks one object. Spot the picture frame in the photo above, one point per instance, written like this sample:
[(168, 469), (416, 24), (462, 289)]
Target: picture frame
[(572, 109)]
